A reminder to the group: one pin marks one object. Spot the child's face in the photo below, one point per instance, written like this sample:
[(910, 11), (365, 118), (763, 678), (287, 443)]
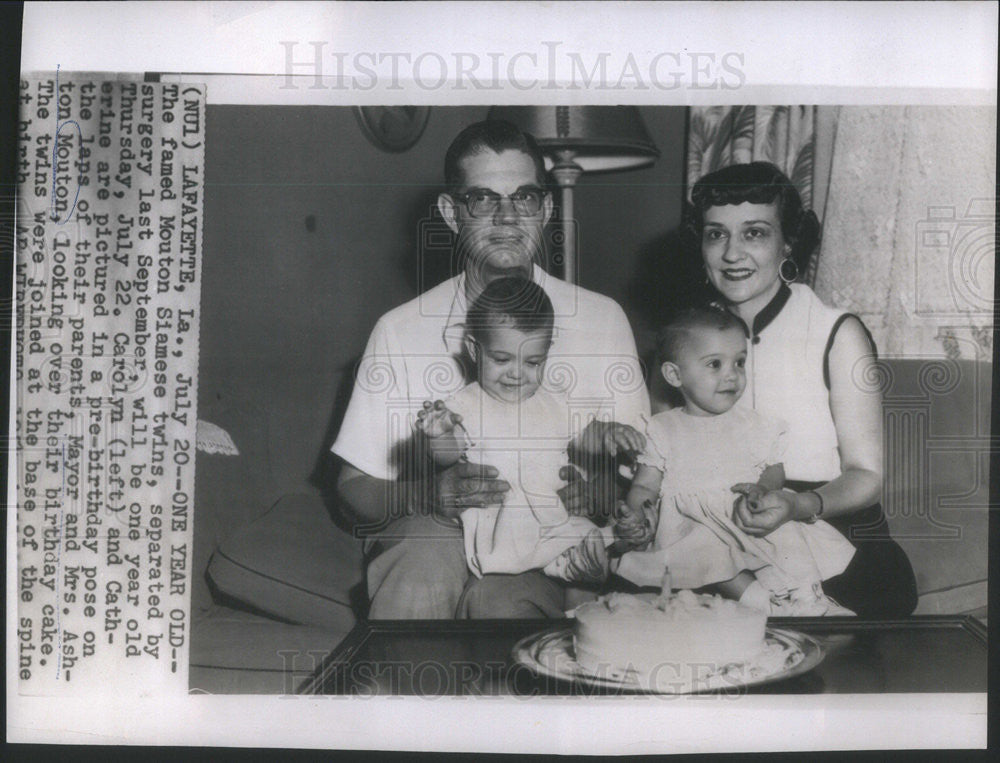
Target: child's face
[(710, 371), (511, 362)]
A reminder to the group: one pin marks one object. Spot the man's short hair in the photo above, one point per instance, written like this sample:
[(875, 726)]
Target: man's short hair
[(511, 301), (494, 135), (676, 335)]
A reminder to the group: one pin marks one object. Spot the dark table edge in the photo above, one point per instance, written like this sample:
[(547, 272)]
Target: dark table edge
[(365, 629)]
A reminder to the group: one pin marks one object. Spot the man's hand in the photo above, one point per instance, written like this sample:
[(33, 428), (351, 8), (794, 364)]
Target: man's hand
[(621, 438), (593, 499), (464, 486), (611, 438)]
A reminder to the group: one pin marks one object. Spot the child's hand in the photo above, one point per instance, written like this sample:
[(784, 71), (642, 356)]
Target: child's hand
[(441, 428), (435, 420), (633, 527)]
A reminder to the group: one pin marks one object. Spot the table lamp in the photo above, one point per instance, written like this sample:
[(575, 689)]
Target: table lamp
[(578, 139)]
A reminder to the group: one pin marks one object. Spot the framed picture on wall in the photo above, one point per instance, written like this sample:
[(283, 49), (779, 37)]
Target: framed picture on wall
[(393, 128)]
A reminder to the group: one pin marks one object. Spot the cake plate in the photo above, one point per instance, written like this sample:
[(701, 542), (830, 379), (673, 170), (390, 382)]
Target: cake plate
[(786, 653)]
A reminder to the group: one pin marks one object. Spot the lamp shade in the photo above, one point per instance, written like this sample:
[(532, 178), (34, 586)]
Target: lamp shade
[(601, 138)]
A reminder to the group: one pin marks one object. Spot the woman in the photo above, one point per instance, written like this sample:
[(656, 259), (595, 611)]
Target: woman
[(807, 364)]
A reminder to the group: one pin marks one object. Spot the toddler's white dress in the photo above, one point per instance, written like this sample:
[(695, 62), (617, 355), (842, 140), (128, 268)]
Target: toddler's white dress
[(527, 443), (701, 458)]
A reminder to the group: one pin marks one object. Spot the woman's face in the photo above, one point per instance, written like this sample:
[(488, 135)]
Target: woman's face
[(742, 247)]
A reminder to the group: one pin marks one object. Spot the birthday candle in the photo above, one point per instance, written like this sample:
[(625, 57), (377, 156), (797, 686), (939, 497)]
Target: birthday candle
[(666, 590)]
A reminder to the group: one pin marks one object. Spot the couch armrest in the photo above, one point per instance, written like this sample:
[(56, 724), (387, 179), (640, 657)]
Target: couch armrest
[(294, 563)]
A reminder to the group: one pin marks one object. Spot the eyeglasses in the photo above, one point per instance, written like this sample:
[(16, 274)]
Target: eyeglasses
[(482, 202)]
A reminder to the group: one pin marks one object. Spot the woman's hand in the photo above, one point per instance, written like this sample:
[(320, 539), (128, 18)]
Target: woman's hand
[(772, 510), (587, 562), (751, 491)]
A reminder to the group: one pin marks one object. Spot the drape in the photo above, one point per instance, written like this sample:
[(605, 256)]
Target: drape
[(906, 196), (909, 239)]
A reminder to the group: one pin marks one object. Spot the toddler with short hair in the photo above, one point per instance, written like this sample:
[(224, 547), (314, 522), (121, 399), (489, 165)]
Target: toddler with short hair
[(702, 453), (508, 419)]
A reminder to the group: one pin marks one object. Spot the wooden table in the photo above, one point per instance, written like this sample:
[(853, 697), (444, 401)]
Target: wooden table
[(934, 653)]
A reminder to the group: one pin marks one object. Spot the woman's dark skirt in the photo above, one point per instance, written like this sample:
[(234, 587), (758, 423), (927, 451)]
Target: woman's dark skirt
[(879, 582)]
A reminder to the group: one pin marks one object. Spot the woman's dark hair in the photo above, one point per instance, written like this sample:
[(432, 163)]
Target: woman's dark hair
[(757, 183), (512, 301)]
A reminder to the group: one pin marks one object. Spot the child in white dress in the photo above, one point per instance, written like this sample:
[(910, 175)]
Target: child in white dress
[(508, 420), (705, 455)]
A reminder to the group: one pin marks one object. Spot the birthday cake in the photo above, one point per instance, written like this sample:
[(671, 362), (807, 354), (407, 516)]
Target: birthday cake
[(679, 634)]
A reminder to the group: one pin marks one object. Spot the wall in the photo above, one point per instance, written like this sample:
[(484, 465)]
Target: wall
[(311, 234), (625, 224)]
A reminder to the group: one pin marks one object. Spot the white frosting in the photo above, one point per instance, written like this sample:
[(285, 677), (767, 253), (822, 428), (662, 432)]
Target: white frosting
[(685, 636)]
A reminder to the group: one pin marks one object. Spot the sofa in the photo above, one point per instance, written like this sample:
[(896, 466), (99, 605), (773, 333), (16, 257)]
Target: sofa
[(279, 579)]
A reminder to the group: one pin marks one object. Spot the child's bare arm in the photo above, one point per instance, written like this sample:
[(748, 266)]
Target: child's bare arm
[(442, 432), (635, 525), (645, 487), (586, 562)]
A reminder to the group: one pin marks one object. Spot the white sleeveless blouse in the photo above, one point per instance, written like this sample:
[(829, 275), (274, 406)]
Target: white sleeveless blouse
[(785, 381)]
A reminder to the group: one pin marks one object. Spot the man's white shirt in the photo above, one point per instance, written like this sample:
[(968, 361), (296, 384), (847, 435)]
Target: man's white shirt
[(414, 354)]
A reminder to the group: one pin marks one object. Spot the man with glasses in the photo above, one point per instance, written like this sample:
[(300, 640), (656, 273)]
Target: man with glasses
[(497, 206)]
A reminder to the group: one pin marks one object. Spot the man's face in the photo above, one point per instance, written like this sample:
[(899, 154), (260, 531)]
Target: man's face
[(511, 362), (505, 242)]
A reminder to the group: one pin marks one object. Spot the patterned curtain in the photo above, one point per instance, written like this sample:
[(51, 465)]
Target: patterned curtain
[(909, 239), (787, 136)]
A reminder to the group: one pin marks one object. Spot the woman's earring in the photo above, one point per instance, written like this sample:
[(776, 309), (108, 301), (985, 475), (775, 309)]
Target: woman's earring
[(782, 271)]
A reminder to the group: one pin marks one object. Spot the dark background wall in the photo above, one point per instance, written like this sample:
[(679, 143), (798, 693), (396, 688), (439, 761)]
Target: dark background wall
[(311, 233)]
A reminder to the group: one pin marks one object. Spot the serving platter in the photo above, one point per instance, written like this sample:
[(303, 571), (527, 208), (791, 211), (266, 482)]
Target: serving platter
[(786, 653)]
